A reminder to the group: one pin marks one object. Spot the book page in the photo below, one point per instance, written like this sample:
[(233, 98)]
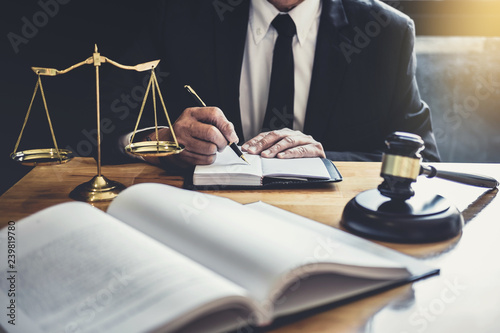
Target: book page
[(81, 270), (319, 289), (261, 252), (295, 167)]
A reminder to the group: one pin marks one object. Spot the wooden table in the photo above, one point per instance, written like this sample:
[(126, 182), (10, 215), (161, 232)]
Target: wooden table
[(465, 297)]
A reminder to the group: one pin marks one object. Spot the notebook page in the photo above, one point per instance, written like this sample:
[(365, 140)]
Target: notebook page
[(229, 169), (229, 157), (296, 167)]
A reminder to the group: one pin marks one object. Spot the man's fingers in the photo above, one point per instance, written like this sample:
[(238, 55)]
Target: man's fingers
[(287, 142), (207, 124), (198, 146), (214, 116), (192, 158), (309, 150), (284, 143), (250, 145), (227, 130), (201, 133), (265, 140)]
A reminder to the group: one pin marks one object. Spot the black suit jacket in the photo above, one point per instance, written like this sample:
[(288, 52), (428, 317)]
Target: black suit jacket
[(363, 84)]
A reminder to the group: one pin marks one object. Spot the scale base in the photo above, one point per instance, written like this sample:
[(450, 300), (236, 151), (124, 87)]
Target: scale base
[(97, 189), (420, 219)]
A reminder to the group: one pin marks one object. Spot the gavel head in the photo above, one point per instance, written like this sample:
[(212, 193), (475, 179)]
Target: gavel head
[(400, 165)]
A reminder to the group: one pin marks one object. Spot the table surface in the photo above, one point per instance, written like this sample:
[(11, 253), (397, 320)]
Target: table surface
[(464, 297)]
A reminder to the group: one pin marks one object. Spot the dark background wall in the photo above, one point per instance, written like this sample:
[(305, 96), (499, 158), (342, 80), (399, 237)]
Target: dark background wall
[(60, 33)]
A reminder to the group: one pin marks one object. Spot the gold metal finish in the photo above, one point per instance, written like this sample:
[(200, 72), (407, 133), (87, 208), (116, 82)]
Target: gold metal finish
[(139, 68), (34, 157), (400, 166), (154, 148), (98, 188), (40, 156), (97, 63), (45, 71)]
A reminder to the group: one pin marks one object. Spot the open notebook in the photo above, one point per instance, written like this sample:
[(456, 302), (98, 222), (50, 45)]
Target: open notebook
[(230, 171), (164, 259)]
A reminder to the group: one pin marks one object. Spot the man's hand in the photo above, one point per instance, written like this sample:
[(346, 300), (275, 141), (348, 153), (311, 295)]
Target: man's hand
[(203, 131), (284, 143)]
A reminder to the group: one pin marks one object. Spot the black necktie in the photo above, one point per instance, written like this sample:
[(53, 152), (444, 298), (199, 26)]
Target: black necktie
[(279, 111)]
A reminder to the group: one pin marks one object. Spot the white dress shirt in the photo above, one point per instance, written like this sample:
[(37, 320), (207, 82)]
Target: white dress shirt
[(256, 74), (258, 57)]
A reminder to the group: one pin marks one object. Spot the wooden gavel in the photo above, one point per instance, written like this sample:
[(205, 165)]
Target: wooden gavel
[(401, 165)]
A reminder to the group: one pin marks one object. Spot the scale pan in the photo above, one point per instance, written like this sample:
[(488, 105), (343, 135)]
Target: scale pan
[(154, 148), (46, 156)]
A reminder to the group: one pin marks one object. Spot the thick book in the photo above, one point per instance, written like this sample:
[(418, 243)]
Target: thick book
[(230, 171), (164, 259)]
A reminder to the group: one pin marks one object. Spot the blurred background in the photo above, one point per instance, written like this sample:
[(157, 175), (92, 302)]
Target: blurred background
[(458, 56)]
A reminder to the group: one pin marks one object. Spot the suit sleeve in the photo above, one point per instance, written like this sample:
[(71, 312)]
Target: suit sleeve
[(408, 112)]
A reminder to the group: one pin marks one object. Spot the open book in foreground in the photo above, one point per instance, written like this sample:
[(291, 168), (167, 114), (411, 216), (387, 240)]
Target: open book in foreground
[(166, 259), (230, 171)]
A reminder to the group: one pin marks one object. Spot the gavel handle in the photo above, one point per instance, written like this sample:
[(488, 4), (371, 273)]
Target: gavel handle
[(460, 177)]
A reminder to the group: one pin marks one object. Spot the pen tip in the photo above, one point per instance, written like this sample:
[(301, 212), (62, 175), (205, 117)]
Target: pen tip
[(244, 159)]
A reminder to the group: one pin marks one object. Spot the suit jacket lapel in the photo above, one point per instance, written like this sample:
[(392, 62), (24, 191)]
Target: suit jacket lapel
[(328, 69), (230, 35)]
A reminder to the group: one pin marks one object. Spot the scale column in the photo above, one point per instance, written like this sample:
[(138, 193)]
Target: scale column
[(97, 63)]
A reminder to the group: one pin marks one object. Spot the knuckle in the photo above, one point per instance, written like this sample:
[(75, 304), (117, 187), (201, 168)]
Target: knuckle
[(210, 112), (275, 133), (216, 114), (302, 151), (181, 128), (227, 127), (262, 142), (211, 133), (211, 159), (299, 151), (211, 149), (216, 111), (290, 139)]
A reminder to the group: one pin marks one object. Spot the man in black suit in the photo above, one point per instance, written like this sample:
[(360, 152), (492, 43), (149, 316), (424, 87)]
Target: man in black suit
[(354, 78)]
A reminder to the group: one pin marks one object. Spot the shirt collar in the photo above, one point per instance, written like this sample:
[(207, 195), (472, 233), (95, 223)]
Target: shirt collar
[(262, 13)]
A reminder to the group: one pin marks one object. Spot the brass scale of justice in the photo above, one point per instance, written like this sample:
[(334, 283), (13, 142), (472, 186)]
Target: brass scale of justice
[(99, 188)]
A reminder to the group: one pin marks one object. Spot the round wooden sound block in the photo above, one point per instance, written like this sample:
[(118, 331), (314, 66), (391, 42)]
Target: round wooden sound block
[(423, 218)]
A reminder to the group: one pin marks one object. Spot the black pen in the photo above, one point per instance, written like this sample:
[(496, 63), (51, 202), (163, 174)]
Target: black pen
[(200, 102)]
